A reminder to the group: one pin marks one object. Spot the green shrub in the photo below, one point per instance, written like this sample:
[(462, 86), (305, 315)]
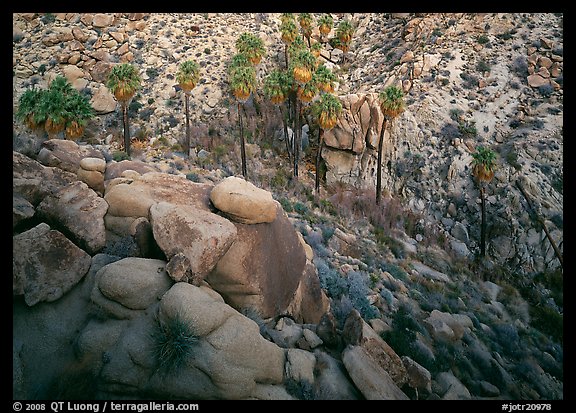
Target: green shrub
[(120, 156), (286, 204), (482, 39), (193, 177), (173, 341)]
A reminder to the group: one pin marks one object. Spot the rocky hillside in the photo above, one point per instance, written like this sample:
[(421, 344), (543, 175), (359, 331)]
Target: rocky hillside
[(347, 300)]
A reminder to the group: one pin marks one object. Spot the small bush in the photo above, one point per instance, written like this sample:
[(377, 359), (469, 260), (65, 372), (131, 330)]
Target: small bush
[(193, 177), (519, 67), (470, 81), (286, 204), (173, 343), (482, 39), (482, 66), (120, 156)]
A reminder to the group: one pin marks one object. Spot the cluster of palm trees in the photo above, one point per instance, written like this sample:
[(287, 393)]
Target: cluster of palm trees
[(58, 109), (304, 84)]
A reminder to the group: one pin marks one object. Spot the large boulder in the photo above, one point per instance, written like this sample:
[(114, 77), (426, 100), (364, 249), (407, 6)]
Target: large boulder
[(45, 264), (243, 202), (135, 197), (228, 359), (79, 212), (22, 210), (309, 302), (370, 378), (383, 355), (66, 154), (115, 169), (331, 380), (203, 237), (123, 288), (33, 181), (263, 267)]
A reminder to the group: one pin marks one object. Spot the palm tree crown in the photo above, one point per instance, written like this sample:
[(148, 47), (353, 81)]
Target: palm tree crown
[(123, 81), (277, 85), (391, 101), (327, 109), (188, 75), (484, 164), (251, 46)]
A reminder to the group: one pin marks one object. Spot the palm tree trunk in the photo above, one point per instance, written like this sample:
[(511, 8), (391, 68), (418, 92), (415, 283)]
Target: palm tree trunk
[(483, 224), (188, 142), (318, 157), (126, 129), (285, 125), (379, 164), (296, 139), (242, 145)]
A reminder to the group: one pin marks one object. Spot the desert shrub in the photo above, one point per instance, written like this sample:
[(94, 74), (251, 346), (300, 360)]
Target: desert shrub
[(508, 339), (119, 156), (482, 39), (357, 291), (191, 176), (549, 321), (331, 280), (482, 66), (519, 67), (173, 341), (470, 81)]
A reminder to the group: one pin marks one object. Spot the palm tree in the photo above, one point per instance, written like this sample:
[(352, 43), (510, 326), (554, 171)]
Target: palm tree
[(343, 39), (289, 32), (251, 46), (483, 166), (28, 110), (187, 77), (325, 24), (123, 81), (242, 81), (53, 104), (78, 112), (327, 109), (277, 87), (306, 22), (391, 104), (303, 64), (60, 108), (325, 78)]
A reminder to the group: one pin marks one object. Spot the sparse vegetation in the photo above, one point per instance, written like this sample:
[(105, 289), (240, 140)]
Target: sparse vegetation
[(172, 342)]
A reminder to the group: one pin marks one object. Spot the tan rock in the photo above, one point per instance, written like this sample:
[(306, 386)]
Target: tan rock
[(408, 56), (93, 179), (369, 377), (203, 237), (243, 202), (536, 80), (103, 101), (93, 164), (545, 62), (72, 72), (263, 267), (79, 34), (102, 20)]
